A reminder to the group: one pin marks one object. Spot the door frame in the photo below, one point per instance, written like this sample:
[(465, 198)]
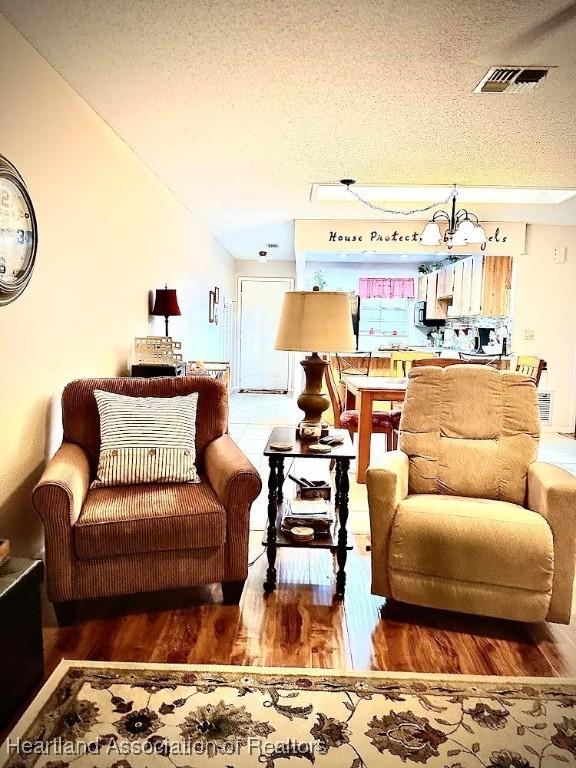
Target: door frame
[(257, 279)]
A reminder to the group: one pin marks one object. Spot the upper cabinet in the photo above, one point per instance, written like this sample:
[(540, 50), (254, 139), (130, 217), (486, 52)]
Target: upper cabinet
[(435, 308), (496, 285), (455, 308), (477, 285), (422, 288), (445, 283)]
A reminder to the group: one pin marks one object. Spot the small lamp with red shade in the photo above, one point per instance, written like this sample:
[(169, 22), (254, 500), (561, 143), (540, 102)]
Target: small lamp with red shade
[(166, 304)]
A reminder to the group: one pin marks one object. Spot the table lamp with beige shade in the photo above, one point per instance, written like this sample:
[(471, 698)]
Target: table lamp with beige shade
[(315, 321)]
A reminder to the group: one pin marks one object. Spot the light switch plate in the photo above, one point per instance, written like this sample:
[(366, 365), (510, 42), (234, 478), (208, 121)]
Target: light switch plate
[(559, 254), (528, 334)]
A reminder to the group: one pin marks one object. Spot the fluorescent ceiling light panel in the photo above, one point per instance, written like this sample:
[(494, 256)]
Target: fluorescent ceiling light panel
[(337, 193)]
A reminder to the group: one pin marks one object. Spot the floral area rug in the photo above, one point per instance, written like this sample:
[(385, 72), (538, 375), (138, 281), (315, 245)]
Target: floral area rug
[(97, 715)]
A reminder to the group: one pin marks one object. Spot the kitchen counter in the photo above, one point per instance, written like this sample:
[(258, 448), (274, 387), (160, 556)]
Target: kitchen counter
[(446, 351), (407, 348)]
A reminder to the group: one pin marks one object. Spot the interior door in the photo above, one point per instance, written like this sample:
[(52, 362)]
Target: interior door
[(261, 366)]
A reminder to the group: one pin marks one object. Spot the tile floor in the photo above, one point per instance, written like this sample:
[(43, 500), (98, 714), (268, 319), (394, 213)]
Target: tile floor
[(253, 415)]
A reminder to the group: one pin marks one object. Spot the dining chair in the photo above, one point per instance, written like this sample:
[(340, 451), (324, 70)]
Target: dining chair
[(444, 362), (353, 364), (530, 366), (383, 422), (400, 365), (401, 362), (494, 361)]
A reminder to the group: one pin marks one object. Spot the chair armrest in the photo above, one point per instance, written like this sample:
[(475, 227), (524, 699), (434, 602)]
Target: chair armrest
[(231, 474), (236, 483), (62, 488), (58, 500), (552, 493), (387, 485)]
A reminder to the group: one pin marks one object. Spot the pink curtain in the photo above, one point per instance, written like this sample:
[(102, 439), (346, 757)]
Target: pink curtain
[(386, 287)]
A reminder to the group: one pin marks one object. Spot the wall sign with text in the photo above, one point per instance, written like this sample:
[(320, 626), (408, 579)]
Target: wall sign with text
[(315, 235)]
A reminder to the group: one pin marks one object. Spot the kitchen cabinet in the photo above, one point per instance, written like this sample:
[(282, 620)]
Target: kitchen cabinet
[(440, 280), (454, 310), (481, 286), (445, 282), (466, 294), (422, 288), (477, 284), (496, 285), (435, 309)]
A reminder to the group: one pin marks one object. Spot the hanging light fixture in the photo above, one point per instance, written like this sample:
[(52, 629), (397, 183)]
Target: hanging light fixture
[(464, 227)]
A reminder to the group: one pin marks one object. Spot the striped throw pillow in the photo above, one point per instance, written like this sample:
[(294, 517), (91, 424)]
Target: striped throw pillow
[(146, 439)]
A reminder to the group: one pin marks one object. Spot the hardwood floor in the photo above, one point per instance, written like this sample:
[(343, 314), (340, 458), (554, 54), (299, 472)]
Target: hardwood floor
[(301, 626)]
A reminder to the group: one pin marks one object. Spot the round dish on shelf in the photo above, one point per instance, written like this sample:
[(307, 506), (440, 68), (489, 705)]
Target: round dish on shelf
[(302, 533)]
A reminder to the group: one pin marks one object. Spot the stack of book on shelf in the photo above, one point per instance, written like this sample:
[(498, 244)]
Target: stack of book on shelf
[(316, 514)]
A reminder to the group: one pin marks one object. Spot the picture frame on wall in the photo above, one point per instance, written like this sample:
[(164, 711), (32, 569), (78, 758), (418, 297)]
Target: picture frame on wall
[(213, 300)]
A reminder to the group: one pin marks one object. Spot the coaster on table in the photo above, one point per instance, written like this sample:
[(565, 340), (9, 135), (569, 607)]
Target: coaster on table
[(302, 533), (319, 448), (282, 445)]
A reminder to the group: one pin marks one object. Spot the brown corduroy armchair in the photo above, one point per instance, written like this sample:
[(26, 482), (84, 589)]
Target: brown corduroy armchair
[(463, 517), (140, 538)]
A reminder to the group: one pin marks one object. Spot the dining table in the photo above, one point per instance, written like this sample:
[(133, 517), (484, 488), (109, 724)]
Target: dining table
[(361, 393)]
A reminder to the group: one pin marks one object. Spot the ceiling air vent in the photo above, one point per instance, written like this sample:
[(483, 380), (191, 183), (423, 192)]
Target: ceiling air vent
[(511, 79)]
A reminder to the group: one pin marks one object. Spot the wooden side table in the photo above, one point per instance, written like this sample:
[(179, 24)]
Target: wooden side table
[(274, 537), (21, 650)]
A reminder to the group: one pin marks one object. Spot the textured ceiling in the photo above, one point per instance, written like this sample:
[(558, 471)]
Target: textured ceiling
[(239, 105)]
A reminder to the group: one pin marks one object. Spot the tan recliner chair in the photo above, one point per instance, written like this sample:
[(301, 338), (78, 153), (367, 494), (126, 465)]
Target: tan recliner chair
[(462, 516)]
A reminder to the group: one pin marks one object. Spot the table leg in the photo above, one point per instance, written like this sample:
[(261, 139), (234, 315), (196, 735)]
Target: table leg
[(342, 552), (350, 400), (280, 479), (364, 434), (270, 583), (337, 480)]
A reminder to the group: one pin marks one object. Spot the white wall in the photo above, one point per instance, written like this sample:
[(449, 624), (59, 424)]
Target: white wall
[(109, 232), (253, 268), (544, 302)]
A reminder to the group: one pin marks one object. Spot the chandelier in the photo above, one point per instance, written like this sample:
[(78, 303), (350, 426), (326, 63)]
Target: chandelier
[(464, 227)]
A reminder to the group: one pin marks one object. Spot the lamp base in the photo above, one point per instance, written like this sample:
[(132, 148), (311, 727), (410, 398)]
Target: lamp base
[(313, 401), (312, 432)]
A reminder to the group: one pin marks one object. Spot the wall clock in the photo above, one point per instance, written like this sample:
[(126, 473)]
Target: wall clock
[(18, 233)]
